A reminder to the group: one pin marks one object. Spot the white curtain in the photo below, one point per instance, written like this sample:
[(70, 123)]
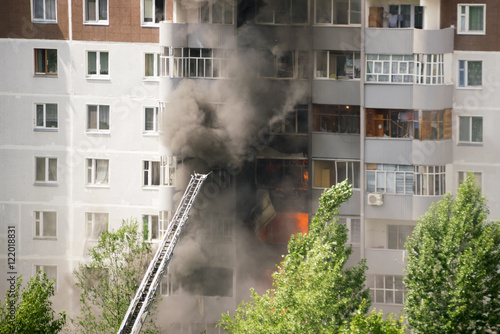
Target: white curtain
[(102, 169)]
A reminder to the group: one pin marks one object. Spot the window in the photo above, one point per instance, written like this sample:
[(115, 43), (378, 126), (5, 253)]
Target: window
[(295, 121), (45, 116), (165, 218), (405, 16), (151, 228), (282, 173), (96, 11), (44, 11), (283, 64), (397, 235), (354, 227), (97, 118), (97, 172), (430, 180), (219, 227), (45, 61), (153, 11), (168, 169), (471, 19), (98, 64), (217, 12), (328, 173), (151, 65), (386, 289), (95, 224), (338, 65), (335, 118), (151, 173), (282, 11), (151, 122), (470, 73), (337, 12), (49, 271), (45, 224), (429, 69), (46, 170), (477, 175), (470, 129), (422, 125), (390, 179), (198, 63)]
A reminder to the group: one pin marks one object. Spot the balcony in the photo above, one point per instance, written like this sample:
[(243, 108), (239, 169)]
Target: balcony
[(408, 41), (336, 92), (385, 261), (197, 35)]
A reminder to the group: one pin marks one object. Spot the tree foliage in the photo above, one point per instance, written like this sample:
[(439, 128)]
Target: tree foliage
[(373, 323), (110, 280), (452, 275), (29, 310), (313, 291)]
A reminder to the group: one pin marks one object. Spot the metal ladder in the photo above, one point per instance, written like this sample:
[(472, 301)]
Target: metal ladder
[(140, 305)]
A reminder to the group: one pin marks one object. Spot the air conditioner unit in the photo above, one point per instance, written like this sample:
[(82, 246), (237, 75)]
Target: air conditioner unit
[(375, 199)]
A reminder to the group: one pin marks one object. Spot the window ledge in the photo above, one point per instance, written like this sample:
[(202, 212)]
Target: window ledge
[(45, 184), (471, 32), (46, 129), (98, 77), (98, 186), (470, 144), (151, 79), (41, 21), (150, 25), (96, 23), (99, 132), (45, 238), (150, 187), (337, 79), (354, 25), (469, 88), (150, 134), (42, 75)]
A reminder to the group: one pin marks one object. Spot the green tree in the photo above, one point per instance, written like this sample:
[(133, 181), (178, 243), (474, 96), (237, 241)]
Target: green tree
[(111, 278), (313, 291), (29, 310), (452, 275), (373, 323)]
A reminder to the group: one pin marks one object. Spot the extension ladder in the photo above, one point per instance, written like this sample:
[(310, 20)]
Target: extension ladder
[(140, 305)]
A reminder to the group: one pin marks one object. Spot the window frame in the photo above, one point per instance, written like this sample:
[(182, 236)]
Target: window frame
[(97, 21), (97, 129), (46, 64), (155, 122), (373, 287), (156, 66), (408, 186), (355, 56), (44, 9), (464, 70), (434, 177), (38, 267), (400, 244), (148, 173), (98, 65), (92, 169), (273, 12), (46, 171), (466, 17), (210, 14), (333, 10), (44, 126), (354, 233), (470, 130), (153, 23), (91, 222), (148, 219), (350, 168), (462, 174), (168, 167), (38, 224)]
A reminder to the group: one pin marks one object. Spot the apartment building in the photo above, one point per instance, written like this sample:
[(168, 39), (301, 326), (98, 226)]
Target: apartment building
[(108, 106)]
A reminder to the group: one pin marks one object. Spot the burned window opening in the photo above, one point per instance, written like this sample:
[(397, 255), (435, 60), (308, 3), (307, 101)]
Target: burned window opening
[(282, 174), (294, 122), (336, 118)]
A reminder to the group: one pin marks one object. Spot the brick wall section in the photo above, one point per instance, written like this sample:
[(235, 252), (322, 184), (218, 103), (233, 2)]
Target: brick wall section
[(488, 42), (124, 24), (15, 21)]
